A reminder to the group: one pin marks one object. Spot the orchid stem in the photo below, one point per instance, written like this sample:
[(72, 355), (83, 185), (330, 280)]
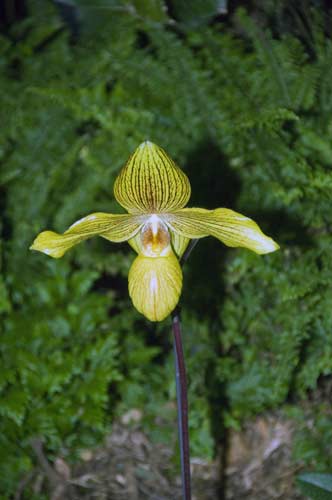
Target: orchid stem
[(181, 393), (182, 403)]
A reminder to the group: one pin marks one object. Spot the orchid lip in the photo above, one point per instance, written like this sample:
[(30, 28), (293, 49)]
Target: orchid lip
[(155, 237)]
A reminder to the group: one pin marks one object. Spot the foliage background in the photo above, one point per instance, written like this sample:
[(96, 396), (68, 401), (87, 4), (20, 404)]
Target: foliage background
[(243, 102)]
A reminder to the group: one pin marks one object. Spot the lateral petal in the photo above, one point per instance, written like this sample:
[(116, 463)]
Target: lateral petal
[(116, 228), (136, 243), (155, 285), (232, 228), (151, 182), (179, 243)]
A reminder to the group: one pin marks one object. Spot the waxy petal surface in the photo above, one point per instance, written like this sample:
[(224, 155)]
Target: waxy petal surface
[(232, 228), (179, 243), (155, 285), (115, 228), (151, 182)]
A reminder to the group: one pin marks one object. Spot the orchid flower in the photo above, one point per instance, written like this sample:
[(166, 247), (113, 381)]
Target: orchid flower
[(154, 191)]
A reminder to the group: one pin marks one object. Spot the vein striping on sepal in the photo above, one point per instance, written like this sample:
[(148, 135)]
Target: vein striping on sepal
[(115, 228), (151, 182), (228, 226)]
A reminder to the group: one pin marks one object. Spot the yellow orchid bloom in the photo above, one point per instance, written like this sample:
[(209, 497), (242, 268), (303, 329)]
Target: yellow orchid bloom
[(154, 191)]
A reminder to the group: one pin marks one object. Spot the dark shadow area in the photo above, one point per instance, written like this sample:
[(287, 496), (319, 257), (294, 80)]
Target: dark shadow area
[(5, 226), (70, 15), (12, 11), (214, 185), (213, 182), (291, 396), (286, 230)]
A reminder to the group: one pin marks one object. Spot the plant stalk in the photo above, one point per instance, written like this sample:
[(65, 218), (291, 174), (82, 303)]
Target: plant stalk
[(182, 403), (181, 393)]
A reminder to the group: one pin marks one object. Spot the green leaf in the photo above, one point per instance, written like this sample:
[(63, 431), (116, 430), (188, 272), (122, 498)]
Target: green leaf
[(152, 10), (196, 12), (4, 299), (316, 486)]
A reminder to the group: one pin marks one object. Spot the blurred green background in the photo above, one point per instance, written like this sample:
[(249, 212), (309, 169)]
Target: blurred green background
[(242, 100)]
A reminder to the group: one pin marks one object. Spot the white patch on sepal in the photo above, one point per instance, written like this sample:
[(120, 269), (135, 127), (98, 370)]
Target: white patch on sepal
[(266, 244), (146, 144)]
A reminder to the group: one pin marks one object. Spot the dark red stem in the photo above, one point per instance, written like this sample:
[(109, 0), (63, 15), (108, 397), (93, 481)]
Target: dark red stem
[(182, 401), (181, 392)]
